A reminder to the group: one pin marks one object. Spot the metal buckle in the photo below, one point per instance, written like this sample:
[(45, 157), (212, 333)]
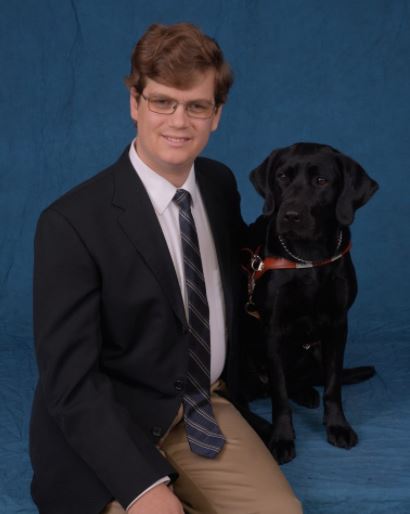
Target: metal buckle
[(257, 263), (250, 308)]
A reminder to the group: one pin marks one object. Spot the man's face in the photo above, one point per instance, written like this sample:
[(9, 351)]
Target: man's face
[(169, 143)]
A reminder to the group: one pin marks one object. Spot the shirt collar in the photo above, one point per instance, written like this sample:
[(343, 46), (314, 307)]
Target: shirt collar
[(160, 190)]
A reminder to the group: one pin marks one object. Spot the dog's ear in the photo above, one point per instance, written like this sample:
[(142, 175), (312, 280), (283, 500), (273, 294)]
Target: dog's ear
[(357, 189), (261, 181)]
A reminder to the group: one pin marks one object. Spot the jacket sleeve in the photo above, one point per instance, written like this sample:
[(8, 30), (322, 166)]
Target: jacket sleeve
[(78, 395)]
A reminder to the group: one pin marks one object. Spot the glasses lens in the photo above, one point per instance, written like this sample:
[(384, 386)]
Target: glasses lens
[(161, 105), (200, 109)]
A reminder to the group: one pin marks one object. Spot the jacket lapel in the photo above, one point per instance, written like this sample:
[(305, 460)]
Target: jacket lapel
[(139, 221), (216, 209)]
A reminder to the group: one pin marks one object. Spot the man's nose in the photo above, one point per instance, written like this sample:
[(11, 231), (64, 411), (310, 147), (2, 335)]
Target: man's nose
[(179, 118)]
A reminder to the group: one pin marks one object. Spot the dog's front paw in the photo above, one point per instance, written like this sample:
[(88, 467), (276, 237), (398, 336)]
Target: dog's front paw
[(283, 450), (342, 436)]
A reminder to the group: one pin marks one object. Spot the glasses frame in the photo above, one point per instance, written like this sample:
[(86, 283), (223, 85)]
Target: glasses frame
[(175, 106)]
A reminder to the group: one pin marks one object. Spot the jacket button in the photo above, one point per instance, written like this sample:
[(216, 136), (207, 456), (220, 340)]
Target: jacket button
[(156, 431), (179, 385)]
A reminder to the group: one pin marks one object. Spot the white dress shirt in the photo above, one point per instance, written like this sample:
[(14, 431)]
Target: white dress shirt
[(161, 192)]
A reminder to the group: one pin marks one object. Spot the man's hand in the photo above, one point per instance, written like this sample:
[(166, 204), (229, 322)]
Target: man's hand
[(159, 500)]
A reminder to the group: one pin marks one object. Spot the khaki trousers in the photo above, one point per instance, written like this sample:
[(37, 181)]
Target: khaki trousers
[(243, 479)]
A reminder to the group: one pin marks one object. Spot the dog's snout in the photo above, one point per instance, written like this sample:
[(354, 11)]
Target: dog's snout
[(291, 217)]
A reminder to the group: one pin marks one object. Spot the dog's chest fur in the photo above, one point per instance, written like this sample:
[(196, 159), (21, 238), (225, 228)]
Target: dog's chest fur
[(305, 302)]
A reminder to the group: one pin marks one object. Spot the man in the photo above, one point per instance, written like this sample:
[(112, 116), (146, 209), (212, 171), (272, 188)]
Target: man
[(135, 302)]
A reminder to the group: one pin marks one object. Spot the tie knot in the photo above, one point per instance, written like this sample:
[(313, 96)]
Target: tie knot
[(183, 199)]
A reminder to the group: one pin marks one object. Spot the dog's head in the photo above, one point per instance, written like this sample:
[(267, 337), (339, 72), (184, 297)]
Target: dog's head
[(307, 185)]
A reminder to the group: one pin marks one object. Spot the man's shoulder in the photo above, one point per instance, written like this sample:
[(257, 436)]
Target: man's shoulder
[(88, 189), (214, 169), (91, 192), (211, 164)]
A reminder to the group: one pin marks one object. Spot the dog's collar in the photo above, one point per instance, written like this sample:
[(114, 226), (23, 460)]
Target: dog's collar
[(306, 261), (260, 266)]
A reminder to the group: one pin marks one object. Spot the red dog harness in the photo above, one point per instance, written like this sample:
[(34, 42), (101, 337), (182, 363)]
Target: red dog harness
[(258, 267)]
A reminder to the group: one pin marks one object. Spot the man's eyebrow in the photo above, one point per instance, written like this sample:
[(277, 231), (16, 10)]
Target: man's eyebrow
[(164, 95)]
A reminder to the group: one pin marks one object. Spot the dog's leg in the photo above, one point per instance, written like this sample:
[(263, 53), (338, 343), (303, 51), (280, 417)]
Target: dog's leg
[(306, 367), (282, 439), (339, 431)]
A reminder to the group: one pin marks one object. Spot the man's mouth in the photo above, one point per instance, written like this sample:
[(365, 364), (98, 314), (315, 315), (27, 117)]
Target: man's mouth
[(173, 140)]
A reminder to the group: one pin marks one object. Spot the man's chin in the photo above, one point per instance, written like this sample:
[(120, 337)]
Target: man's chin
[(177, 160)]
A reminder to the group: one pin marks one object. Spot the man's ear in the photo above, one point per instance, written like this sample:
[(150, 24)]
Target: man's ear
[(216, 118), (134, 104), (261, 178), (357, 189)]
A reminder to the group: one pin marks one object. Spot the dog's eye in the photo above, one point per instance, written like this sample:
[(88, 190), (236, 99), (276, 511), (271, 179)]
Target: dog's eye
[(321, 181), (283, 177)]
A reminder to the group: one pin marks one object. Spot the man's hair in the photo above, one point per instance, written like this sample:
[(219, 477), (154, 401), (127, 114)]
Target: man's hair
[(173, 55)]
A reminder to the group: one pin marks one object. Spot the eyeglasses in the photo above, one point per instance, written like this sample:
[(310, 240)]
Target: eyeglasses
[(196, 109)]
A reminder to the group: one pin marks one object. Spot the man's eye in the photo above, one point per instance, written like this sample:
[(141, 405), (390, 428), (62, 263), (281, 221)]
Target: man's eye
[(199, 107), (162, 103)]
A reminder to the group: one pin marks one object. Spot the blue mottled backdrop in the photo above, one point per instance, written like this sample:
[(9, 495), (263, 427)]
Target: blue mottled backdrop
[(336, 72)]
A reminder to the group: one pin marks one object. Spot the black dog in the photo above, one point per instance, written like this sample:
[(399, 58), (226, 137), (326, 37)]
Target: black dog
[(306, 283)]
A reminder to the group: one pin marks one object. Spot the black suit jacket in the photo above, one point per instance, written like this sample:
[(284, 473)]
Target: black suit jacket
[(111, 336)]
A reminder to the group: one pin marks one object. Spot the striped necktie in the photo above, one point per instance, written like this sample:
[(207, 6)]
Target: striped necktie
[(203, 433)]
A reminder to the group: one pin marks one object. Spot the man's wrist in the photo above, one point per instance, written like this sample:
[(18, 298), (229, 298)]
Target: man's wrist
[(164, 480)]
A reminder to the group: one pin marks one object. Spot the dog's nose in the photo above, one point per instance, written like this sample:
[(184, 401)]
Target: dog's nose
[(291, 217)]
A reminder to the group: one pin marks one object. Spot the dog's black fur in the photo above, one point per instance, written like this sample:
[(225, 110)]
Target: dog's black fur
[(311, 193)]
